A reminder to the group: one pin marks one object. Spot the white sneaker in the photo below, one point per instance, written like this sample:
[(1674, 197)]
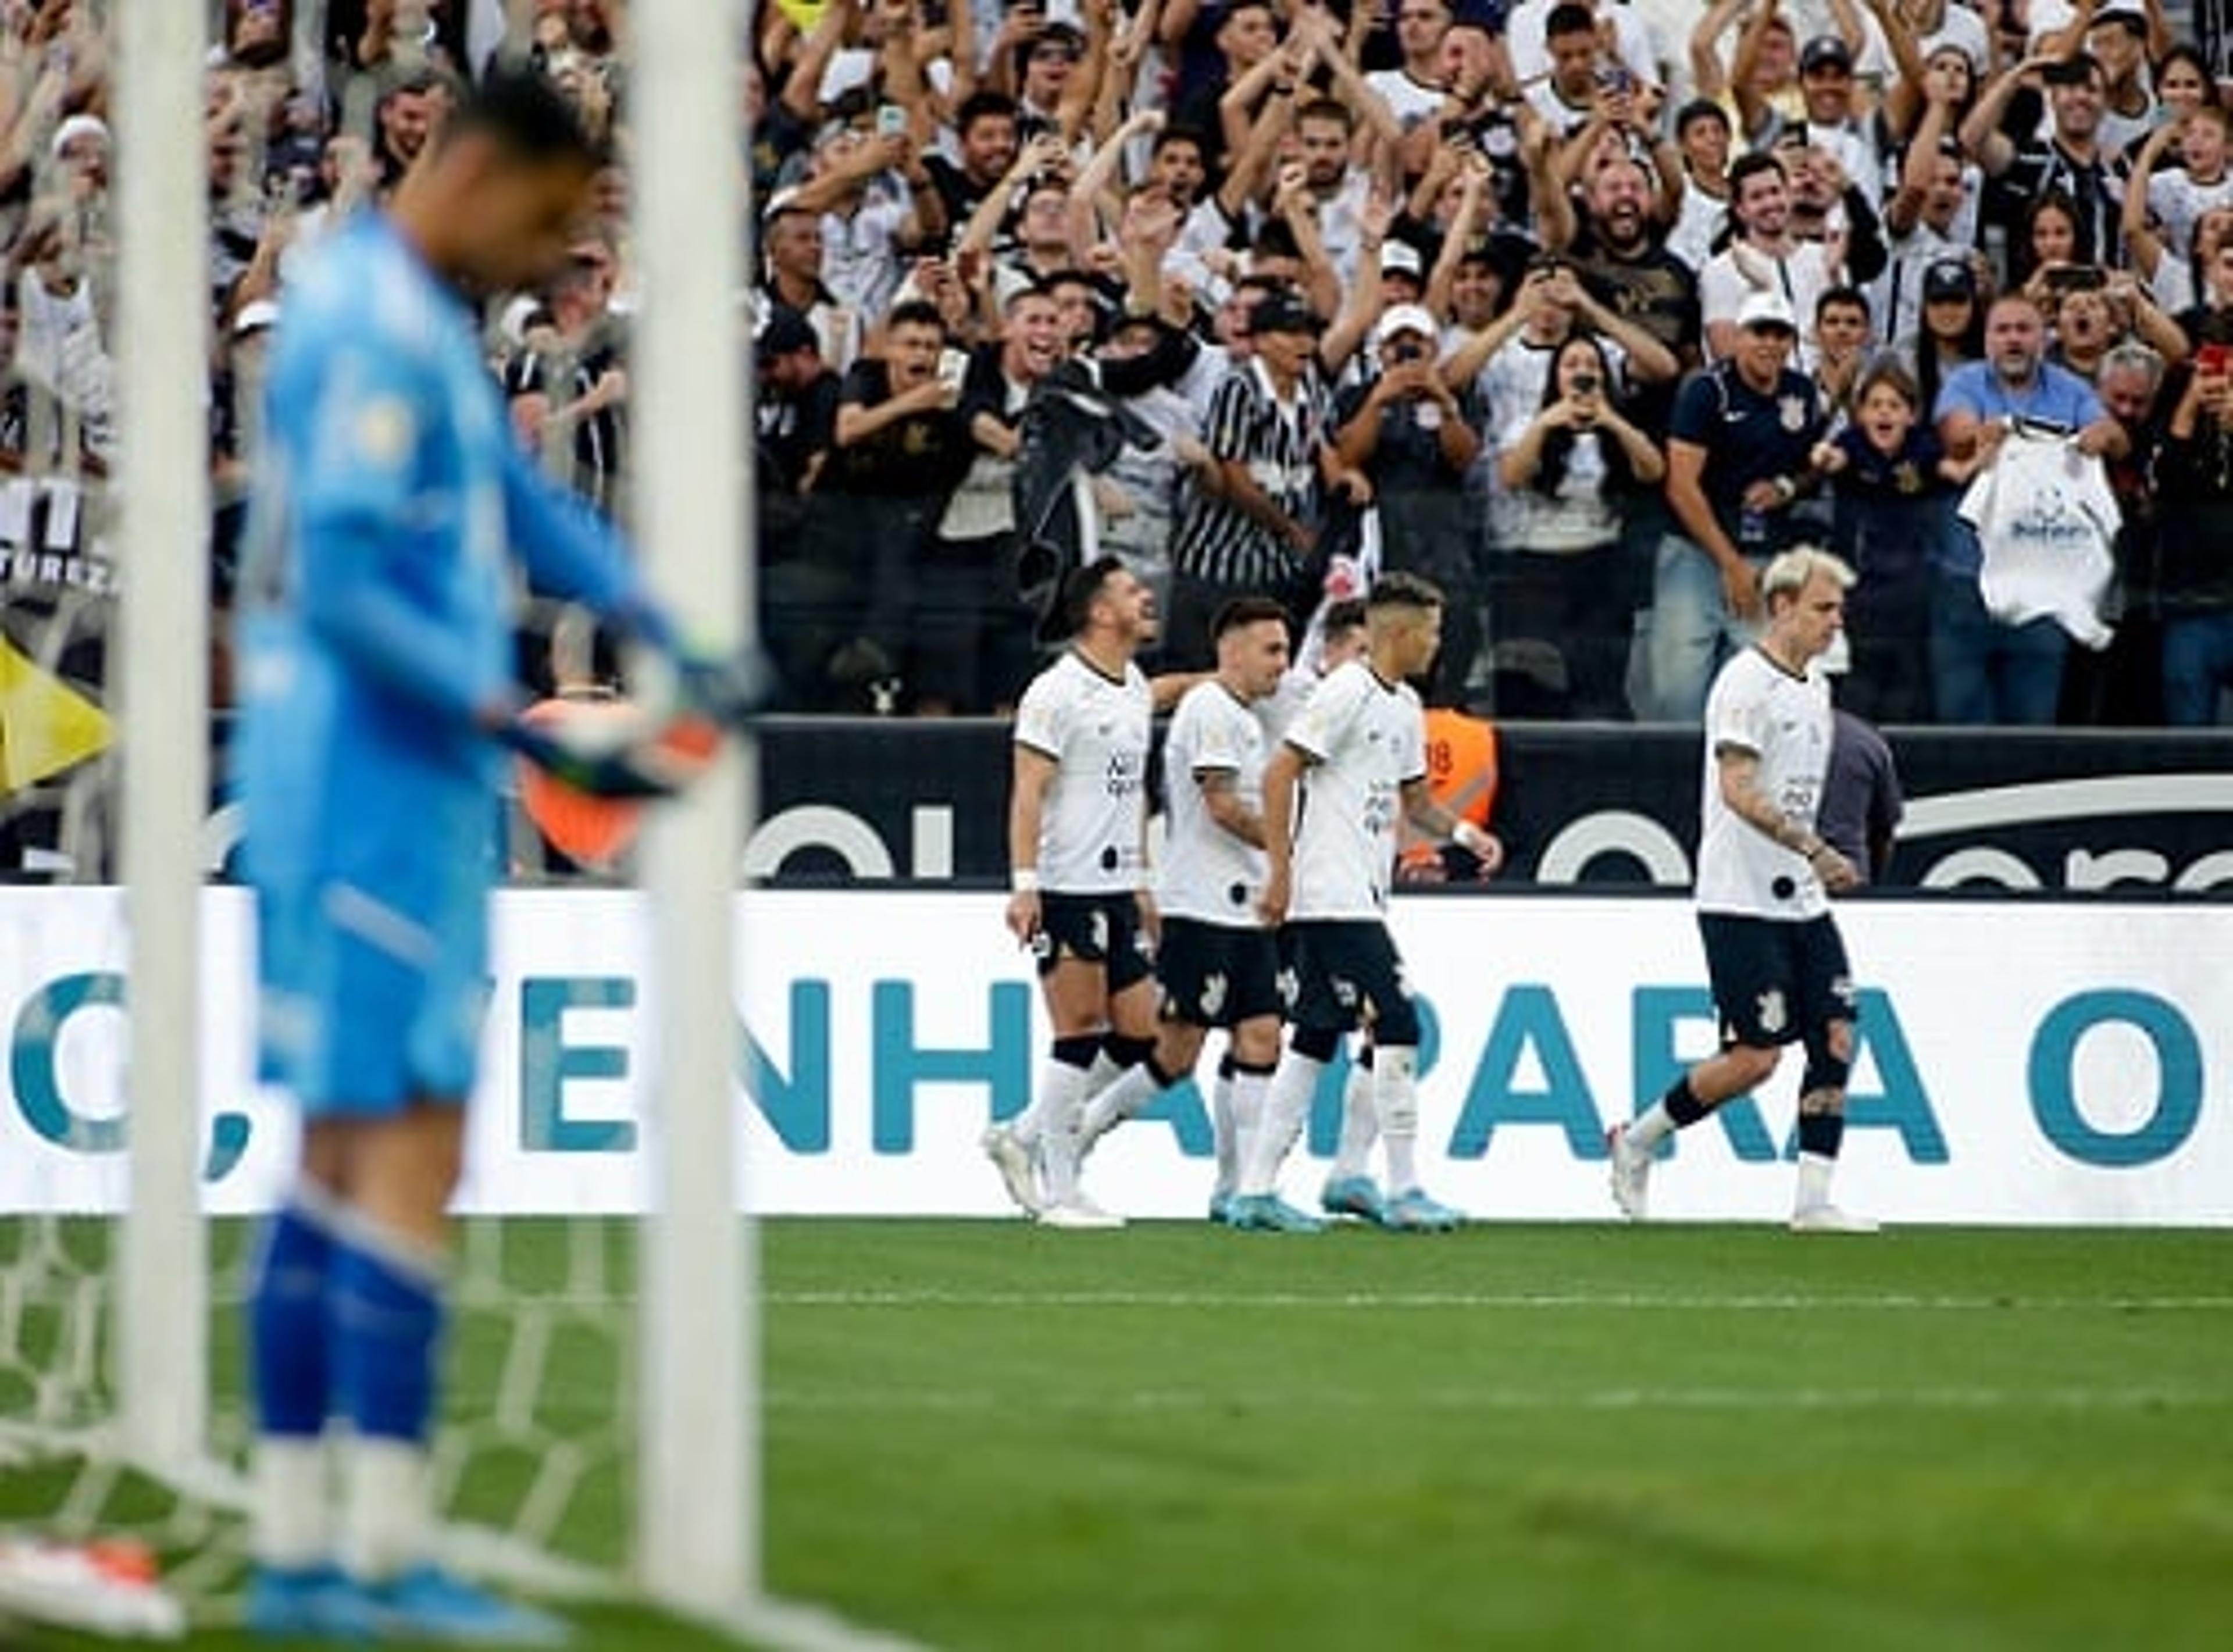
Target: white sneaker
[(1018, 1168), (1080, 1214), (1631, 1173), (1828, 1218)]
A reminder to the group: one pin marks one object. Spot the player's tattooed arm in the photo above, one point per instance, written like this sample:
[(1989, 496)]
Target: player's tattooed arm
[(1738, 770), (1221, 796), (1432, 818)]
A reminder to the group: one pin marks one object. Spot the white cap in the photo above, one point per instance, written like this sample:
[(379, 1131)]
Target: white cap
[(255, 314), (1406, 318), (78, 126), (1400, 257), (1765, 306)]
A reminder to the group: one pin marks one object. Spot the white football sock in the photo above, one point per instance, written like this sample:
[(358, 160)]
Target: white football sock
[(1249, 1091), (1061, 1102), (292, 1500), (1360, 1125), (1651, 1127), (1134, 1089), (1395, 1098), (1286, 1104), (1813, 1180), (1225, 1132), (387, 1507), (1102, 1074)]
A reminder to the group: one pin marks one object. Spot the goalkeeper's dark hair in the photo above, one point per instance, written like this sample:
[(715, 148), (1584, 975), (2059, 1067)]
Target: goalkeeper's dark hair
[(1082, 589), (524, 114)]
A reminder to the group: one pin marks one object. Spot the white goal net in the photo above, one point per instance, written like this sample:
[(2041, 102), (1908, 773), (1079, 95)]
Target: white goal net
[(597, 1432)]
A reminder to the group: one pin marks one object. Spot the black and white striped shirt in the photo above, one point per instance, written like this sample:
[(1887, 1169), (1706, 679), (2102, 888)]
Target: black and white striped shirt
[(1280, 443)]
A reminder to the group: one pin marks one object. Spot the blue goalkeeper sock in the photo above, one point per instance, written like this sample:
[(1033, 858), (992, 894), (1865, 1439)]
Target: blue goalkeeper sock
[(387, 1330), (291, 1360)]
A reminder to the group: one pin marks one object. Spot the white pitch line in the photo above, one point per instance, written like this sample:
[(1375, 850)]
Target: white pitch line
[(1515, 1301), (1766, 1398)]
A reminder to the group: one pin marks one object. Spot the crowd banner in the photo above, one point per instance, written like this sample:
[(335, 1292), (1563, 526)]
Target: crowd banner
[(2019, 1062)]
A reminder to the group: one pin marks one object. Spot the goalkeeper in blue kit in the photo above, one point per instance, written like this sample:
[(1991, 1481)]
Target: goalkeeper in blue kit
[(393, 515)]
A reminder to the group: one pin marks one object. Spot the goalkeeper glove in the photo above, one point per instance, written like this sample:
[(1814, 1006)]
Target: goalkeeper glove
[(606, 759), (729, 689)]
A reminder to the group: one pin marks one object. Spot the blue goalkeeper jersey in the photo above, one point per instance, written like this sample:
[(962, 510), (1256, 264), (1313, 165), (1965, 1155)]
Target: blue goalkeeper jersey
[(393, 516)]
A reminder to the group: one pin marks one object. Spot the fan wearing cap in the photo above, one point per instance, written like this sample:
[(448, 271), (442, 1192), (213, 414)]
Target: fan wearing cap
[(1414, 439), (1830, 96), (1269, 434), (1738, 456)]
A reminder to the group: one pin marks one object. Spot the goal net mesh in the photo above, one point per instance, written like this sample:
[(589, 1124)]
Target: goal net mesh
[(534, 1462)]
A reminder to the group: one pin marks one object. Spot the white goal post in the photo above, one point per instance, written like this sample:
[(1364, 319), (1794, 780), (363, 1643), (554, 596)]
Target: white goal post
[(696, 1543), (162, 360), (699, 1523)]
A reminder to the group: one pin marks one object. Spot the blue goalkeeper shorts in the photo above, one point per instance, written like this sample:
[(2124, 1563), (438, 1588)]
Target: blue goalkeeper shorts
[(373, 930)]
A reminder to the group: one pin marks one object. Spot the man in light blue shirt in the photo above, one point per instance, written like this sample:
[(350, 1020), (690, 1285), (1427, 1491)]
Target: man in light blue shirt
[(1984, 670)]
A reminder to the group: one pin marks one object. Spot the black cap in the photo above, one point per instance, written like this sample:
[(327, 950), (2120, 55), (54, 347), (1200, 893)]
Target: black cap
[(1283, 312), (1949, 278), (786, 332), (1827, 50)]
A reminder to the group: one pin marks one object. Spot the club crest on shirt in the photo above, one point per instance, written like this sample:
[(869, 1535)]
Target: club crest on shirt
[(1793, 412)]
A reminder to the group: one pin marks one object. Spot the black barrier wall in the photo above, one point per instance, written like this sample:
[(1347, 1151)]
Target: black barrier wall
[(2047, 810)]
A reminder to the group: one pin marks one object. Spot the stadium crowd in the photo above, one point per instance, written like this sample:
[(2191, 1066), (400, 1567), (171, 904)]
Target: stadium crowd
[(1580, 308)]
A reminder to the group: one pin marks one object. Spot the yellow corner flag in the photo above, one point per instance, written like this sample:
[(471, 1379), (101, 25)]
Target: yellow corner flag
[(45, 724)]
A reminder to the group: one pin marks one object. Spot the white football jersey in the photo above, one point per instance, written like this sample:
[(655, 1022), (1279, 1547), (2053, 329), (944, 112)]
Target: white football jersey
[(1758, 706), (1367, 740), (1097, 729), (1208, 873)]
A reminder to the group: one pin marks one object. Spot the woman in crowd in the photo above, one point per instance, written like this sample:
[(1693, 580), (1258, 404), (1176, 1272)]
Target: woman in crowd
[(1568, 469)]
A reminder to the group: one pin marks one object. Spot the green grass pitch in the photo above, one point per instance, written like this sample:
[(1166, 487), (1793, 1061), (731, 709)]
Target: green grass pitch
[(984, 1436)]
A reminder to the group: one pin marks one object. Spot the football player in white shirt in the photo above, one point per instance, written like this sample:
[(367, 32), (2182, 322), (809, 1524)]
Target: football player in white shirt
[(1765, 876), (1077, 827), (1217, 964), (1358, 752)]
